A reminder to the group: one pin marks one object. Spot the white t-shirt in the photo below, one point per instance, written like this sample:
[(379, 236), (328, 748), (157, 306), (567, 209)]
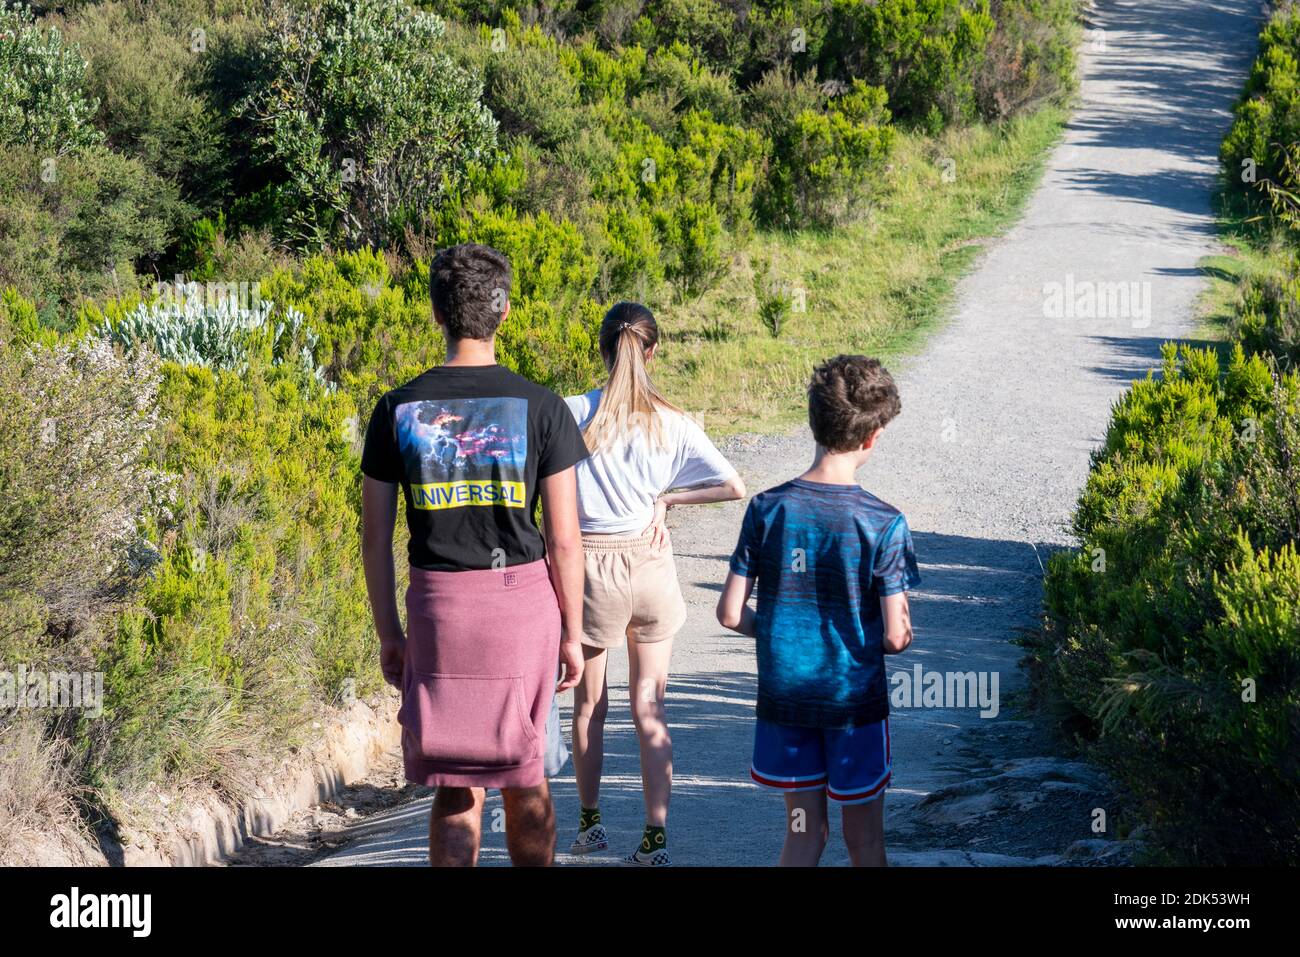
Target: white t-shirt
[(617, 486)]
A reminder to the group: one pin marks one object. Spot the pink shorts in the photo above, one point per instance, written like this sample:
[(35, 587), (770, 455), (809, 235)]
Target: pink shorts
[(481, 652)]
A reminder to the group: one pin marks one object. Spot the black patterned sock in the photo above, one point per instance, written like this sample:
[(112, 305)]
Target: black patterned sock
[(654, 839), (588, 817)]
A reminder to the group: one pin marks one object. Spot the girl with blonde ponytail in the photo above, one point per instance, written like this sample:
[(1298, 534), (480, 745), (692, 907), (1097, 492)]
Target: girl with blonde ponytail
[(647, 456)]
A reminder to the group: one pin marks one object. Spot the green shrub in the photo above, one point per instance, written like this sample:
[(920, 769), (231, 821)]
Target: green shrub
[(631, 261), (698, 192), (257, 608), (373, 332), (1268, 317), (1172, 633), (924, 53), (779, 96), (361, 119), (705, 25), (148, 80), (44, 101), (614, 77), (72, 227), (1267, 119), (208, 252), (823, 161), (531, 93), (532, 180), (689, 84), (785, 35), (1029, 57), (75, 485), (774, 305), (692, 242)]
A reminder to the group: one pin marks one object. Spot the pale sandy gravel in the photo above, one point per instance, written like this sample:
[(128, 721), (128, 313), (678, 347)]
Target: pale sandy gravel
[(1023, 399)]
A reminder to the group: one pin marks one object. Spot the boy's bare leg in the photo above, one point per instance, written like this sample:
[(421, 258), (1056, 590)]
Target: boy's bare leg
[(806, 829), (455, 824), (530, 825), (864, 832)]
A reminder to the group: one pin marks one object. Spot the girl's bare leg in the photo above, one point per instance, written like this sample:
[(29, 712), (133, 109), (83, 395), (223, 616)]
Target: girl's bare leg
[(647, 685), (590, 706)]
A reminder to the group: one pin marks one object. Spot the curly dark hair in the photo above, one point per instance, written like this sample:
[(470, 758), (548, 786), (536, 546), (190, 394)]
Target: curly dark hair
[(850, 397), (470, 286)]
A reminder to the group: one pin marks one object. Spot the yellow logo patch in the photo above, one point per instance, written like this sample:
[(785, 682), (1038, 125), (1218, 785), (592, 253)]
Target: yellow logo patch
[(436, 495)]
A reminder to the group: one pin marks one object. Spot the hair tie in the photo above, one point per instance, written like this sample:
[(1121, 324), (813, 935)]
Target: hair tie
[(624, 326)]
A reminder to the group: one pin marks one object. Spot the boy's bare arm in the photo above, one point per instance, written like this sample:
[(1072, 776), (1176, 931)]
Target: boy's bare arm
[(564, 559), (898, 622), (734, 611), (378, 515)]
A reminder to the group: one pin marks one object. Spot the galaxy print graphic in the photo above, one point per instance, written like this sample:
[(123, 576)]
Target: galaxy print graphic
[(464, 452)]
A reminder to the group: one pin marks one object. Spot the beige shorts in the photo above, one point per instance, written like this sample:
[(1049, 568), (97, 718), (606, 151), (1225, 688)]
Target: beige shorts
[(631, 591)]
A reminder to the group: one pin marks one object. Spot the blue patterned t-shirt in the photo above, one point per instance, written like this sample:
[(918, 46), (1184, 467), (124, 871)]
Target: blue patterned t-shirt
[(822, 556)]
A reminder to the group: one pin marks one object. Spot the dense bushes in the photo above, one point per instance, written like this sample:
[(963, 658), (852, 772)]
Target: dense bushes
[(1172, 637), (707, 133), (77, 418), (939, 60), (924, 54), (1174, 633), (74, 215), (257, 606), (342, 124), (361, 118), (822, 157), (1029, 58), (220, 507), (148, 70), (72, 227), (44, 103), (1267, 120)]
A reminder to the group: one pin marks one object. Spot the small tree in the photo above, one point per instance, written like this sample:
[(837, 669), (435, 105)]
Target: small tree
[(361, 117), (773, 298), (43, 99)]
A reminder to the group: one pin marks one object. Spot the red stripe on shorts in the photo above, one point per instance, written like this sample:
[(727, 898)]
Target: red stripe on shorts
[(787, 785)]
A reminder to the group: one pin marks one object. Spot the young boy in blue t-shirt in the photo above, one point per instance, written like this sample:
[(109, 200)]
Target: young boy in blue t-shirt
[(831, 565)]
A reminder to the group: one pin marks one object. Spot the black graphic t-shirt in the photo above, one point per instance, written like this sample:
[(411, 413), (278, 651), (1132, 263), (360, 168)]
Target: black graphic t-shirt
[(468, 445)]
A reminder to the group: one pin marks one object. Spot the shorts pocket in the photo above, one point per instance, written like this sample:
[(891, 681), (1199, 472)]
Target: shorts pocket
[(658, 610), (478, 721)]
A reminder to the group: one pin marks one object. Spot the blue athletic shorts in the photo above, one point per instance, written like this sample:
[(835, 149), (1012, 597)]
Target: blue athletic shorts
[(851, 764)]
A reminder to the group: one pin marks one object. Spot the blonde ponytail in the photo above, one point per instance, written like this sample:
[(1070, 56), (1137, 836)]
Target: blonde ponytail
[(630, 400)]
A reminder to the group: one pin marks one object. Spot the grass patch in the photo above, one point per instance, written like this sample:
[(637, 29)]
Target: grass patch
[(1256, 248), (877, 286)]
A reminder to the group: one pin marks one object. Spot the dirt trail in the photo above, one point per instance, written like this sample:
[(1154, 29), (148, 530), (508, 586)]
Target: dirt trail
[(1001, 411)]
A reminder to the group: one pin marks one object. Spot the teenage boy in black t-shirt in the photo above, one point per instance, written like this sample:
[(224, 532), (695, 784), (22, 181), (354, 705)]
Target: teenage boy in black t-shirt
[(471, 447)]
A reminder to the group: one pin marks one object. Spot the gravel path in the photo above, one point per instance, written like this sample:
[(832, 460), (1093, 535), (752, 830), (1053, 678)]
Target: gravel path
[(1000, 413)]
